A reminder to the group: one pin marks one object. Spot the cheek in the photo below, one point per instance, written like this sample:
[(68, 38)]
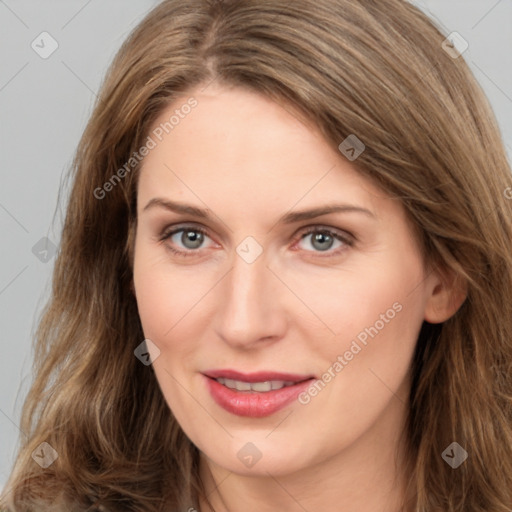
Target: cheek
[(167, 300), (365, 365), (170, 302), (377, 305), (160, 295), (154, 303)]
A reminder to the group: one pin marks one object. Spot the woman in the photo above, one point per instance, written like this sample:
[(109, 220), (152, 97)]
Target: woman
[(285, 276)]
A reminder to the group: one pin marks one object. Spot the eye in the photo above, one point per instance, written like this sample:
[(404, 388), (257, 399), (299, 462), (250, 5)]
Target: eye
[(186, 240), (324, 239), (188, 237)]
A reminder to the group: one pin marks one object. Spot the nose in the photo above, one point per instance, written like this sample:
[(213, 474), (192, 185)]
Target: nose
[(251, 308)]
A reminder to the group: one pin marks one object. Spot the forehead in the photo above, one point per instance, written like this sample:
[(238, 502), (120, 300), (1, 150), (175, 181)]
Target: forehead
[(239, 148)]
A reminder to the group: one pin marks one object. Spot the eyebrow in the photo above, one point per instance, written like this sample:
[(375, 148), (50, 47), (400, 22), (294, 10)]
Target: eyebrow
[(288, 218)]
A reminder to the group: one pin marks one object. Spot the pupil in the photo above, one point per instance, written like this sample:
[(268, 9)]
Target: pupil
[(323, 238), (195, 237)]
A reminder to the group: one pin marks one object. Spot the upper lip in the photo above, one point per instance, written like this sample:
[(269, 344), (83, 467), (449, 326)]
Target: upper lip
[(261, 376)]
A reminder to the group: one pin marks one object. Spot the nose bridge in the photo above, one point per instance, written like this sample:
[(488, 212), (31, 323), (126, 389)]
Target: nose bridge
[(247, 285), (249, 308)]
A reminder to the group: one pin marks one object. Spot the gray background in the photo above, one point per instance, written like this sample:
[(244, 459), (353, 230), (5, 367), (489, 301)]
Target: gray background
[(44, 105)]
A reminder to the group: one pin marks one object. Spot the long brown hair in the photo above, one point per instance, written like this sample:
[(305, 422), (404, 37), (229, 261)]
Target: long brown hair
[(373, 68)]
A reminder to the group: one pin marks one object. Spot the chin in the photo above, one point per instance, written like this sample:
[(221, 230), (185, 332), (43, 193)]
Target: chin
[(260, 459)]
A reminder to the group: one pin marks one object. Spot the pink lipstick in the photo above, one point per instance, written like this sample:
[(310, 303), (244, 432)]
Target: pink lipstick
[(256, 394)]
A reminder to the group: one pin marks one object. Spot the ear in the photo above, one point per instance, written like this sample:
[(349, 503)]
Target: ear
[(447, 293)]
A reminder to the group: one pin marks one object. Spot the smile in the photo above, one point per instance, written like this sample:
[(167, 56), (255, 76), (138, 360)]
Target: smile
[(254, 395), (259, 387)]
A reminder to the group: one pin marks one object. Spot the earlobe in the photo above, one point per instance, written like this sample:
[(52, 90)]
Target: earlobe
[(447, 295)]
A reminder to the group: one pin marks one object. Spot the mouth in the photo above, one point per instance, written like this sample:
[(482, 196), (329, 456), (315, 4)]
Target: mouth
[(257, 387), (257, 394)]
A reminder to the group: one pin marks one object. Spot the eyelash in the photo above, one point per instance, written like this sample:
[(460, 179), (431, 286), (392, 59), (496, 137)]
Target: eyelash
[(348, 240)]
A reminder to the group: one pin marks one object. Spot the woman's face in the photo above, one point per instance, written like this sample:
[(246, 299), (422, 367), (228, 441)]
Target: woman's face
[(240, 273)]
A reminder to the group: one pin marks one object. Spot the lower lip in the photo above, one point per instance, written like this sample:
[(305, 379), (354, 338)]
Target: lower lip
[(254, 404)]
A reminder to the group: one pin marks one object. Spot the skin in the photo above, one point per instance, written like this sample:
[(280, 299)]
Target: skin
[(296, 308)]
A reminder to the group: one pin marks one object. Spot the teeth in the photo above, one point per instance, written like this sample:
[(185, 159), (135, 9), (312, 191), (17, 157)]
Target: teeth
[(260, 387), (263, 387)]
